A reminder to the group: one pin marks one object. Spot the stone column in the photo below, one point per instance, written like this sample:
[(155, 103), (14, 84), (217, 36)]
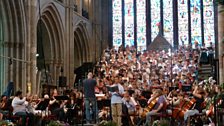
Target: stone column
[(69, 40), (31, 46), (79, 4), (221, 41), (97, 25)]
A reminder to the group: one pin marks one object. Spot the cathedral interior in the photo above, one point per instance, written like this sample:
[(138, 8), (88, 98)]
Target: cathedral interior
[(48, 44), (49, 37)]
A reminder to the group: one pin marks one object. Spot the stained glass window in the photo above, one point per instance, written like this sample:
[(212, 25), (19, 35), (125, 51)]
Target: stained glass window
[(208, 11), (129, 22), (117, 23), (183, 22), (141, 25), (188, 18), (195, 22), (168, 20), (155, 18)]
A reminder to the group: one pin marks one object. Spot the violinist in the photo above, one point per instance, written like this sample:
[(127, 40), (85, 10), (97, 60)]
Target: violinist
[(4, 106), (172, 97), (19, 104), (199, 96), (158, 107), (55, 106), (177, 99)]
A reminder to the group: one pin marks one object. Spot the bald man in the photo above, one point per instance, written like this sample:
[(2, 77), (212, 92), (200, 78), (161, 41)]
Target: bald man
[(89, 85)]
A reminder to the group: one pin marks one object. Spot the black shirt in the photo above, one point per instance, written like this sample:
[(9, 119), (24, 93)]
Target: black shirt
[(198, 103), (89, 88)]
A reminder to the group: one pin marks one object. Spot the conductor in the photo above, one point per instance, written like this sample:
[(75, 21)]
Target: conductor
[(89, 85)]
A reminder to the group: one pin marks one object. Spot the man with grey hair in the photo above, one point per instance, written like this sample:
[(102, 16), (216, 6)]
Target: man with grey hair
[(89, 85)]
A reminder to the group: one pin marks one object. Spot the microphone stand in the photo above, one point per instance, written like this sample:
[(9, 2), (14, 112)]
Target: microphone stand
[(83, 107), (171, 76), (215, 111)]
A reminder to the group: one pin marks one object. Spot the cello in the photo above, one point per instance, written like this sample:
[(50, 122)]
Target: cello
[(149, 107), (186, 107), (153, 101)]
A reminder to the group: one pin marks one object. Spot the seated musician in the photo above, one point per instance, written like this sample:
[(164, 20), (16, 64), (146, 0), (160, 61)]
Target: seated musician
[(198, 95), (56, 106), (4, 105), (19, 108), (177, 99), (172, 97), (129, 102), (158, 107)]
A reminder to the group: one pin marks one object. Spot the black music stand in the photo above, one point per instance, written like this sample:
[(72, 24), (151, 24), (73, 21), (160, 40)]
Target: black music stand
[(63, 97), (43, 105), (186, 88), (146, 94), (173, 88), (143, 103), (103, 103)]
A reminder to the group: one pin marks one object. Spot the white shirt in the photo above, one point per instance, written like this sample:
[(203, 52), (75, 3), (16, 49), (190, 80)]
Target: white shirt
[(19, 105), (115, 98)]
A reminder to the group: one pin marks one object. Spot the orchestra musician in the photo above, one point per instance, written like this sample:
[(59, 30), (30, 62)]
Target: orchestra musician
[(199, 96), (157, 107), (4, 106), (19, 108), (130, 104), (55, 106)]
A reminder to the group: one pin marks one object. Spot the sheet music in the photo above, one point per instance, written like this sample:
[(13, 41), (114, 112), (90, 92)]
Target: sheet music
[(100, 95)]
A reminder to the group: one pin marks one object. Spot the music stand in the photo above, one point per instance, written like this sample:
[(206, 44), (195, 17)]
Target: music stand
[(173, 88), (43, 105), (103, 103), (143, 103), (63, 97), (146, 94), (186, 88)]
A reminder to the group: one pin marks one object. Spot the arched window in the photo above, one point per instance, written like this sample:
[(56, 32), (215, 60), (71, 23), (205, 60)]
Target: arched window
[(181, 22)]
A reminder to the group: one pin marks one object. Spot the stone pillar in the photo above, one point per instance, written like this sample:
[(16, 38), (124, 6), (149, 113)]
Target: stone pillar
[(91, 9), (79, 4), (221, 41), (31, 46), (69, 46), (97, 25)]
